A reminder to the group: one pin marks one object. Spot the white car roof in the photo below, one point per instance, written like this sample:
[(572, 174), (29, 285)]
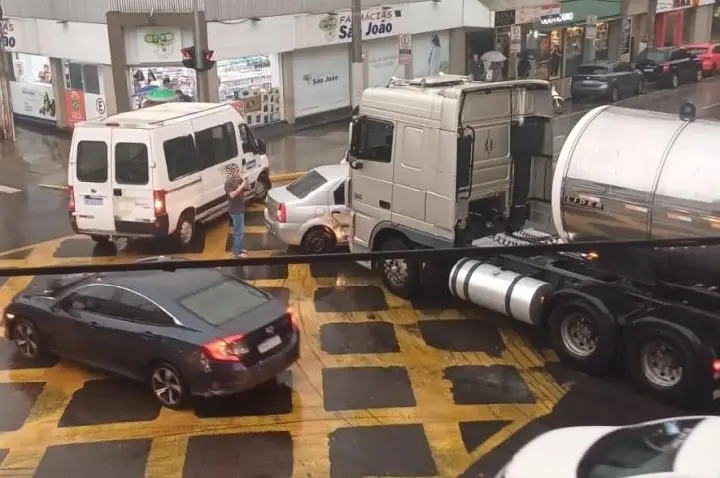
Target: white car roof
[(697, 457)]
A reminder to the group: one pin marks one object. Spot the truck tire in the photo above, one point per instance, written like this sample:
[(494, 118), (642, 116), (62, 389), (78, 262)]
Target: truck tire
[(582, 336), (662, 364), (399, 276)]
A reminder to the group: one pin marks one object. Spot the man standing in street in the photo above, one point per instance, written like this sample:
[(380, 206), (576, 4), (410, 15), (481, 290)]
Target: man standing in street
[(235, 187)]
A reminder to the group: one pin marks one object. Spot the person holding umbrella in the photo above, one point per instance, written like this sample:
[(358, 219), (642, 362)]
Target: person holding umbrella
[(491, 60)]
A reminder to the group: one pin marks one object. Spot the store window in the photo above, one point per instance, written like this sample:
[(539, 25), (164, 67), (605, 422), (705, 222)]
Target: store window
[(91, 79), (252, 84), (572, 51), (145, 79), (601, 41), (31, 68)]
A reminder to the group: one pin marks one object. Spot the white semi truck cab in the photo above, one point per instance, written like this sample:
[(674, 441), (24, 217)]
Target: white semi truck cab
[(443, 162)]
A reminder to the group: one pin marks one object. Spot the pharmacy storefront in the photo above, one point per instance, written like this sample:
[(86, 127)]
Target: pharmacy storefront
[(34, 94), (321, 74)]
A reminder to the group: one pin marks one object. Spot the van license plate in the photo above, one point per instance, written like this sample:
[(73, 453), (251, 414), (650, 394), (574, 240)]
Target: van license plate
[(93, 201), (269, 344)]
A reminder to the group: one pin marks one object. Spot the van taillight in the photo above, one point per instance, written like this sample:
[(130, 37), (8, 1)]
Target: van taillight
[(71, 198), (281, 212), (159, 203)]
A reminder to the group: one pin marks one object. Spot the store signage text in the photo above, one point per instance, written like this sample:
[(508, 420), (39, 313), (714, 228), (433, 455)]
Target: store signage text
[(504, 18), (375, 22), (8, 38), (555, 19), (162, 42), (320, 79)]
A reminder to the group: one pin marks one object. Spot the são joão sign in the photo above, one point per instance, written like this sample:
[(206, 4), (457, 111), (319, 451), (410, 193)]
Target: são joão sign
[(375, 22)]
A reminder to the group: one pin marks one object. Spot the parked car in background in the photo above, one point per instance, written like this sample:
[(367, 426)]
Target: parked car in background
[(669, 66), (192, 332), (310, 212), (672, 447), (709, 56), (608, 80)]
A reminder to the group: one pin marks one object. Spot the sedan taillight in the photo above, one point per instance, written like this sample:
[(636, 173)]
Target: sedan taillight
[(281, 212), (228, 349)]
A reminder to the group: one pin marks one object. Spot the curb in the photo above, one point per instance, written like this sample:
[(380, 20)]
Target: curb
[(274, 178)]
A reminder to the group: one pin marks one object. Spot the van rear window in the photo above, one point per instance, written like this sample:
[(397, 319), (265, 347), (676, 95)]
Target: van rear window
[(131, 164), (92, 162)]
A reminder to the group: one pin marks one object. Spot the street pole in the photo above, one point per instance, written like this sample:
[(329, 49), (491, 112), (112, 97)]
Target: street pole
[(620, 36), (201, 87), (650, 23), (7, 121), (357, 72)]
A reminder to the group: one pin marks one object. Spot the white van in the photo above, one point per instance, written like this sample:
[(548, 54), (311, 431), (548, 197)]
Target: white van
[(156, 172)]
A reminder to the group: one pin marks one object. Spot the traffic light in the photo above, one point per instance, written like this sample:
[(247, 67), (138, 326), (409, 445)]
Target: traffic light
[(189, 59)]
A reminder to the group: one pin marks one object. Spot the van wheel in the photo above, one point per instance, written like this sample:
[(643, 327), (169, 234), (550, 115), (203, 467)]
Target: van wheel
[(662, 364), (100, 239), (581, 336), (185, 231), (318, 241), (399, 276), (263, 186)]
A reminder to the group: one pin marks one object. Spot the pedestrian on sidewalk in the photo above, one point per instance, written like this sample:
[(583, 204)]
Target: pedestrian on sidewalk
[(235, 186)]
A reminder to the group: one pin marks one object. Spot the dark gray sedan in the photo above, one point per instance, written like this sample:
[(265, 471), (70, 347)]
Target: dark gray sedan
[(197, 332), (606, 80)]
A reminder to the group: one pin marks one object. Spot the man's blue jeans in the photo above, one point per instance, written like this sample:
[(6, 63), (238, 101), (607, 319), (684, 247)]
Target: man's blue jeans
[(238, 220)]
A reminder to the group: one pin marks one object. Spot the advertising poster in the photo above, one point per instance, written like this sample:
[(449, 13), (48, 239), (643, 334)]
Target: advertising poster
[(74, 107), (33, 100)]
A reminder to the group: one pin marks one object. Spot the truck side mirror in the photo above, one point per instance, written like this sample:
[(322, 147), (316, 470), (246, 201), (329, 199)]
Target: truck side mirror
[(355, 136)]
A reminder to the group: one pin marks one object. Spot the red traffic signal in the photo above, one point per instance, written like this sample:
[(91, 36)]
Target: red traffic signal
[(190, 60)]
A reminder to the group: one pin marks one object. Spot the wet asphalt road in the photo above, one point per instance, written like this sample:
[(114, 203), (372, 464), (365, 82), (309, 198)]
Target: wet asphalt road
[(37, 213)]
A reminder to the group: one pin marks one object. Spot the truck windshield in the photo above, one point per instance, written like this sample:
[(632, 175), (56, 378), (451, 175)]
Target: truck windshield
[(641, 450), (306, 184)]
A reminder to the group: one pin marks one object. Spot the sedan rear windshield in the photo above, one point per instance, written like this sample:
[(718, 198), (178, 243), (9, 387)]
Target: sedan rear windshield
[(592, 70), (641, 450), (306, 184), (654, 56), (223, 301)]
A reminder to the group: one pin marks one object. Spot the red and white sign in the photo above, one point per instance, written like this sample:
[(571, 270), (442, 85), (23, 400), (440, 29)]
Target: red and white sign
[(533, 13)]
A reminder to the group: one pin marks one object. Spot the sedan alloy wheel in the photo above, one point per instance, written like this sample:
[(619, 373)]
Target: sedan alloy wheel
[(167, 385), (26, 340)]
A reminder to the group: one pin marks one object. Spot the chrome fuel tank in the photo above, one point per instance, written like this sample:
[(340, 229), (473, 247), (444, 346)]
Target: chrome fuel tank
[(500, 290), (631, 174)]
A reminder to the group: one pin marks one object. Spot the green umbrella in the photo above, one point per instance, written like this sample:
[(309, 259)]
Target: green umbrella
[(161, 95)]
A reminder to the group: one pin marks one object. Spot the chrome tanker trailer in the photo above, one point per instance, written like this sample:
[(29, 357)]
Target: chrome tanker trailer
[(622, 174)]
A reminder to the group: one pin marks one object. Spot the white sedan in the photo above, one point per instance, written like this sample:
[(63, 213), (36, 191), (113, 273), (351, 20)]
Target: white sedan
[(682, 447)]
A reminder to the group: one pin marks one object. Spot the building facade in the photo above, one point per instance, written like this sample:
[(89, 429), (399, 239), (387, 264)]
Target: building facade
[(73, 65)]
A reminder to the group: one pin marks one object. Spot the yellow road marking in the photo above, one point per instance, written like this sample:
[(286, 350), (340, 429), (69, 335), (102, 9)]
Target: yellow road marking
[(308, 422)]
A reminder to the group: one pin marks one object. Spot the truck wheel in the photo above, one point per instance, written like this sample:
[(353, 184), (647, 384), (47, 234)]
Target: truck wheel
[(581, 336), (662, 364), (399, 276)]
